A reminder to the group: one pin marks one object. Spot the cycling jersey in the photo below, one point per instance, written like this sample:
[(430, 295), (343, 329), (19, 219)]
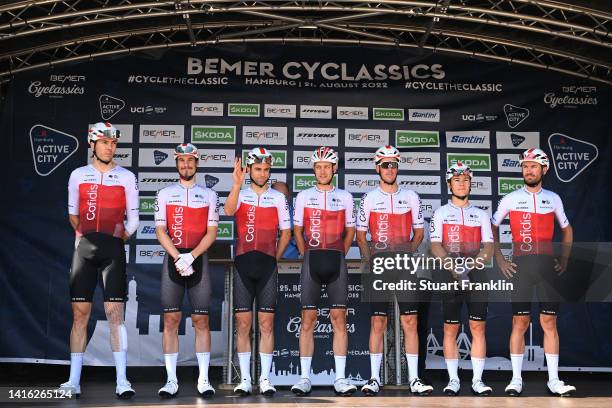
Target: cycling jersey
[(187, 213), (461, 230), (258, 219), (324, 215), (390, 217), (531, 219), (101, 200)]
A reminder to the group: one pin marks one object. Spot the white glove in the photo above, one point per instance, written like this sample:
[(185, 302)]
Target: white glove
[(184, 261), (187, 272)]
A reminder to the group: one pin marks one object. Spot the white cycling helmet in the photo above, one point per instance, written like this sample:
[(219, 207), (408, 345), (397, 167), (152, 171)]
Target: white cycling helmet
[(324, 154), (259, 155), (102, 130), (186, 149), (386, 152), (457, 169), (534, 155)]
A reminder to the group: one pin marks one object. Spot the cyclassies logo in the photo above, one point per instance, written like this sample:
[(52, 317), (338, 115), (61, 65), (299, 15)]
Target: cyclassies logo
[(352, 112), (213, 134), (515, 115), (518, 140), (206, 109), (573, 96), (571, 156), (476, 161), (424, 115), (110, 106), (366, 137), (225, 230), (303, 182), (264, 136), (150, 254), (68, 85), (507, 185), (411, 139), (50, 148), (174, 134), (279, 158), (508, 163), (388, 113), (147, 205), (315, 112), (243, 109), (475, 139), (315, 136), (280, 111)]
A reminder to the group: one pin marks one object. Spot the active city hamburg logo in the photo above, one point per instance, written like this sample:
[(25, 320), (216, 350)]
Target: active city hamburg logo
[(50, 148), (570, 156)]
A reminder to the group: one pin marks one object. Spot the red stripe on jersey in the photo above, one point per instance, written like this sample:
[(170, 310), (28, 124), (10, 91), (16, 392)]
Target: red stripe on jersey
[(324, 229), (187, 226), (532, 233), (101, 209), (461, 239), (257, 229), (391, 231)]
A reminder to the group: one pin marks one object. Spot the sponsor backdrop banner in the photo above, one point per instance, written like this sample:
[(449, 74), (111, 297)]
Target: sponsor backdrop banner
[(436, 109)]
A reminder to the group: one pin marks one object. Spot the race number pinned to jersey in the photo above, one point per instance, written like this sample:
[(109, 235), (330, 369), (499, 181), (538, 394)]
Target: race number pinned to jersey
[(50, 148)]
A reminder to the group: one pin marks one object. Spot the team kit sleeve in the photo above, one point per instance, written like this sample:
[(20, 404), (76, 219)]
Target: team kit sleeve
[(435, 226), (160, 209), (349, 215), (503, 209), (486, 232), (282, 207), (298, 210), (73, 194), (363, 218), (213, 208), (131, 204), (417, 213), (560, 212)]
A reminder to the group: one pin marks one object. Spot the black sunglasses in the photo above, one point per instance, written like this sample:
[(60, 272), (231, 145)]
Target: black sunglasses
[(389, 165)]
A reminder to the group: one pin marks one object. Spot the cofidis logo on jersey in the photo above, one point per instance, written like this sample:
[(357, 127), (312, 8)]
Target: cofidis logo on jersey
[(570, 156), (50, 148)]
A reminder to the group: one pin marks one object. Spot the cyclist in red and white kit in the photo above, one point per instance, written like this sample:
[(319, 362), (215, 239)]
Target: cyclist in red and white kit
[(395, 221), (458, 230), (186, 221), (532, 211), (260, 213), (324, 228), (100, 196)]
